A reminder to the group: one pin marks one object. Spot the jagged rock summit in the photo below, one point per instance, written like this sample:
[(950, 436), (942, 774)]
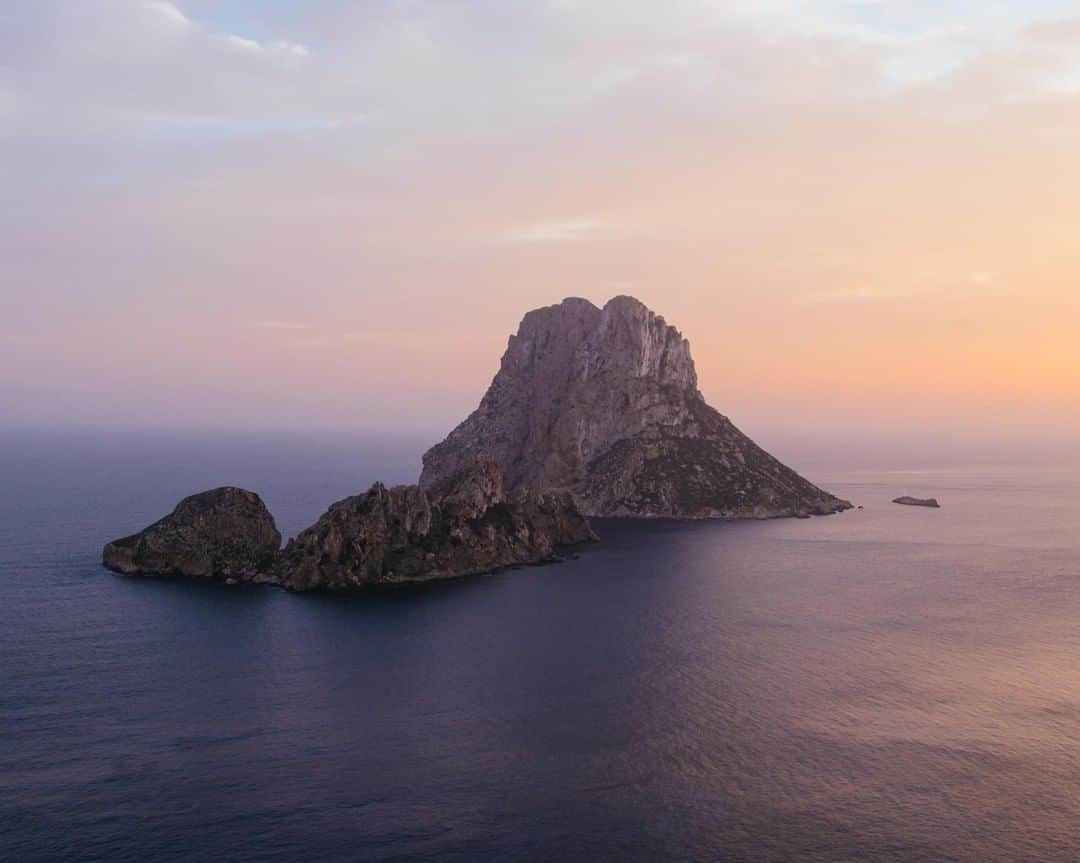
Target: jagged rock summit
[(604, 404)]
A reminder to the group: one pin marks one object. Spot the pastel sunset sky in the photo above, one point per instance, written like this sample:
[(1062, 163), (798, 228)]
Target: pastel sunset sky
[(226, 213)]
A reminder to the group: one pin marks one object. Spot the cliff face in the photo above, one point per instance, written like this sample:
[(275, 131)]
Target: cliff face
[(467, 525), (603, 404)]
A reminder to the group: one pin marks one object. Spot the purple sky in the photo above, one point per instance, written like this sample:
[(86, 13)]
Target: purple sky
[(224, 213)]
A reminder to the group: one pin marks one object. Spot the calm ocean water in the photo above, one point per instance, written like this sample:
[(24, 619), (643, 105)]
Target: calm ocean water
[(891, 684)]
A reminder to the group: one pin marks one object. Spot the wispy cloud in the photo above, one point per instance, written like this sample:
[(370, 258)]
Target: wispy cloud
[(861, 293), (1064, 31), (277, 325), (298, 334), (977, 280), (566, 231), (167, 15), (391, 339), (252, 46), (980, 278)]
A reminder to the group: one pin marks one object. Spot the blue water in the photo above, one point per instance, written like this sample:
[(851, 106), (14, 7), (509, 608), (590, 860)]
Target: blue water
[(890, 684)]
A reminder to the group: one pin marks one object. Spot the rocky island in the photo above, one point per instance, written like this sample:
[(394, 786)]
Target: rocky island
[(930, 502), (594, 412), (225, 533), (385, 536), (604, 404)]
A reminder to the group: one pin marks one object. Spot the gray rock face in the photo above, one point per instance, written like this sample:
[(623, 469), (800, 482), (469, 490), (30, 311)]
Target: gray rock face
[(603, 404), (223, 533), (918, 501), (468, 525)]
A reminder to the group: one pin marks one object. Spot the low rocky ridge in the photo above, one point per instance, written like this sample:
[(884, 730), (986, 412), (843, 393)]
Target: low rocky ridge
[(603, 404), (905, 500), (467, 525)]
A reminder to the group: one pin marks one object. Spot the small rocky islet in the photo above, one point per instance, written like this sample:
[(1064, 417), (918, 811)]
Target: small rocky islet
[(594, 412), (907, 500)]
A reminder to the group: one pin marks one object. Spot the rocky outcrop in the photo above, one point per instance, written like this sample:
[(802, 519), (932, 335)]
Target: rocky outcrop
[(918, 501), (593, 411), (465, 526), (603, 405), (223, 533)]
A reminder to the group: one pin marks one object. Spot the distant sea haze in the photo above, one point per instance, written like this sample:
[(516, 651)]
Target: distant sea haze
[(888, 684)]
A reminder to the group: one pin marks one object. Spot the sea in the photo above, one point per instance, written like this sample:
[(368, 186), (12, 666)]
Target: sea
[(888, 684)]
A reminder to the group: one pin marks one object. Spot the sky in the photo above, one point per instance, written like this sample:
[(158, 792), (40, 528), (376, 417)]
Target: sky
[(274, 213)]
